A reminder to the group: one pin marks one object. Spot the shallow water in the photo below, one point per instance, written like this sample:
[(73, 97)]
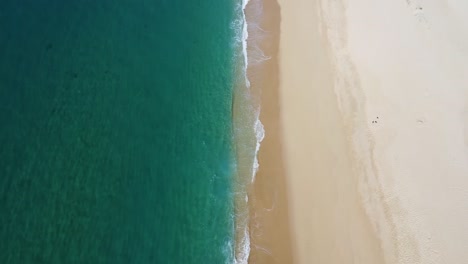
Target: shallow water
[(116, 142)]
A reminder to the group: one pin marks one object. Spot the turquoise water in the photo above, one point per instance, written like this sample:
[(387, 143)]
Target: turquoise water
[(115, 131)]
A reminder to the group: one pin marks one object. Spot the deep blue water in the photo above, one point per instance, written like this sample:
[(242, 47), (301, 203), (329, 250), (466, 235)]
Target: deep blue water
[(116, 131)]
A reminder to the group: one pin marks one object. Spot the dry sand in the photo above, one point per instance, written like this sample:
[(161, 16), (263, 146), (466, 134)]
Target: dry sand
[(373, 128), (410, 69), (329, 224)]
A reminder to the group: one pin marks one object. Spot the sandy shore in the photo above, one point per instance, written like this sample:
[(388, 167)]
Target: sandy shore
[(269, 225), (367, 135), (409, 75), (329, 224)]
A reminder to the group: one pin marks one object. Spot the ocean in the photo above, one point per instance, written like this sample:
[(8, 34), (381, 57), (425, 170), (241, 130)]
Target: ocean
[(116, 131)]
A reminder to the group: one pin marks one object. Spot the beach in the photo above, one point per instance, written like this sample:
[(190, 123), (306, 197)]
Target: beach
[(329, 224), (253, 131), (269, 221), (368, 138)]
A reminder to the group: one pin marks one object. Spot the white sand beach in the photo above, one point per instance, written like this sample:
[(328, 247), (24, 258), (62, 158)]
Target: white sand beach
[(373, 128)]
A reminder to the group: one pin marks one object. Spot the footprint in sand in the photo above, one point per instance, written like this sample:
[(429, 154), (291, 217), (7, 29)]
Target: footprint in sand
[(419, 14), (418, 11)]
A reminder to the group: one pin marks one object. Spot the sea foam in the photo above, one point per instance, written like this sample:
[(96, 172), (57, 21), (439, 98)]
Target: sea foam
[(243, 244), (242, 28)]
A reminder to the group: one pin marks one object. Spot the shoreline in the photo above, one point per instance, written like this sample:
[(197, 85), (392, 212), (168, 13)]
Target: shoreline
[(269, 218), (304, 204), (303, 207)]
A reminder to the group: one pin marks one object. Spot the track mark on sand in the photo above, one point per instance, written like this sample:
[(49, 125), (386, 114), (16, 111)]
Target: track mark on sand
[(418, 11)]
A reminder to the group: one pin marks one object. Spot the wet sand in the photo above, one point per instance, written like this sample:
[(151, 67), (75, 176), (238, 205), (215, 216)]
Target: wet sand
[(269, 225)]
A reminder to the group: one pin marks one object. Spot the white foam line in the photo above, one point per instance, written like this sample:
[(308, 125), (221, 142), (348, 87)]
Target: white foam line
[(260, 134), (245, 36), (242, 256)]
